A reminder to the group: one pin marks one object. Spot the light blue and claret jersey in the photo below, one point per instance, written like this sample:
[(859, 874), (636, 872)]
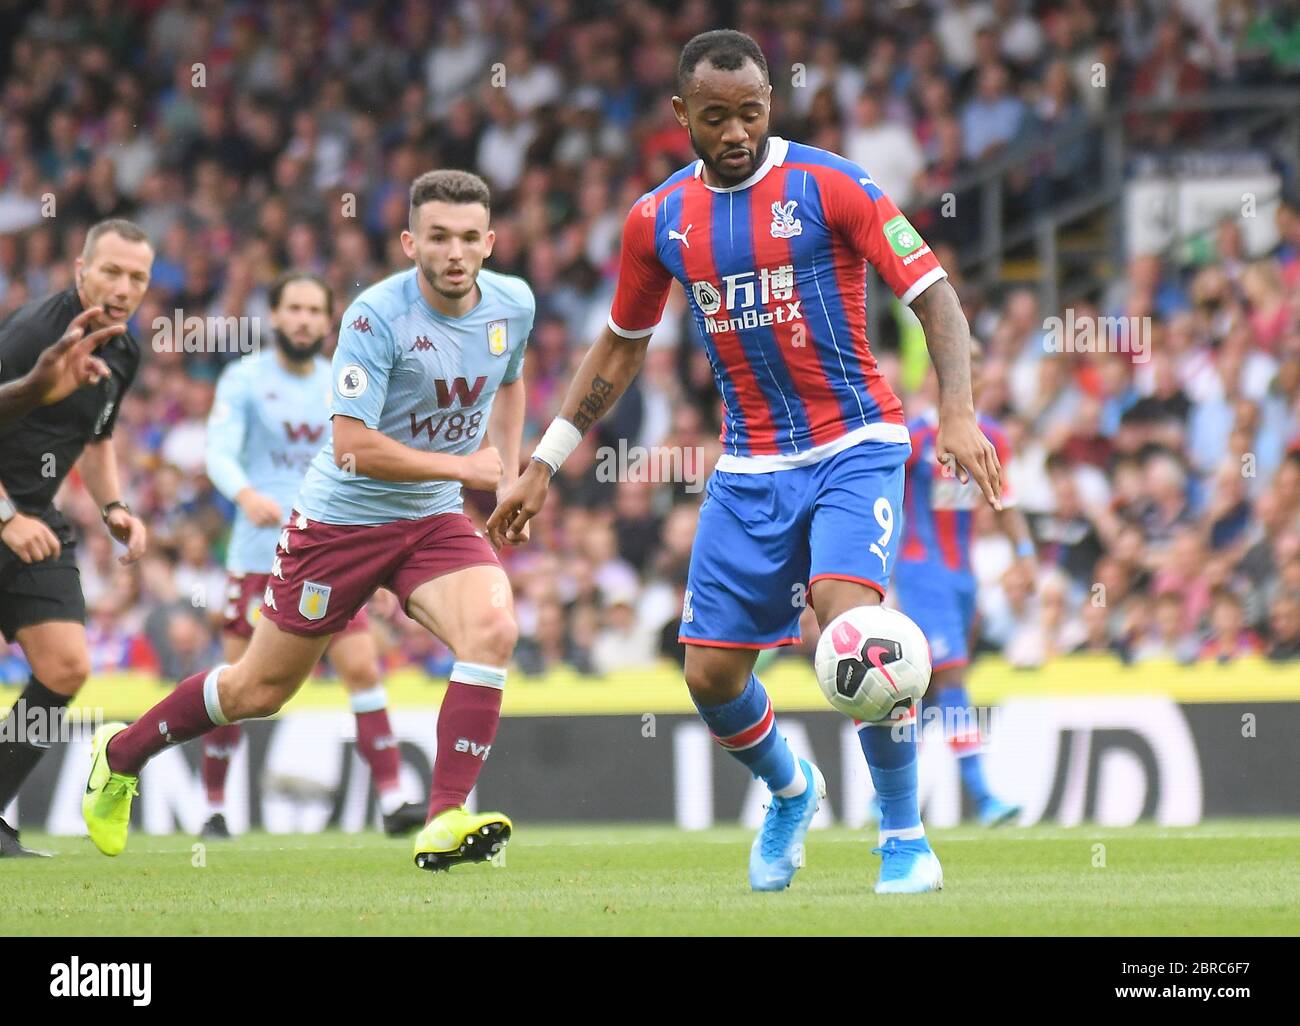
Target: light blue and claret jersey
[(774, 269), (937, 507), (266, 425), (423, 379)]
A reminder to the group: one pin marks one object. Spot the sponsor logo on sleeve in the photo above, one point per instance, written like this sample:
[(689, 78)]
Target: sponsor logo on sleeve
[(903, 238)]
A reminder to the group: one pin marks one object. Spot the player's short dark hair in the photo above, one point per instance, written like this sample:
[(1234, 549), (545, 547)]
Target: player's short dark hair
[(287, 278), (448, 186), (725, 49), (128, 230)]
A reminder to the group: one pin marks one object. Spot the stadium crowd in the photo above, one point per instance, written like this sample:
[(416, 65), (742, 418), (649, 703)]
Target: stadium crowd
[(1164, 494)]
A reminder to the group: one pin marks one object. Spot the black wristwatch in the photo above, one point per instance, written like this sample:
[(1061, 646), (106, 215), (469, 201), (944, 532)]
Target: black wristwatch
[(115, 504)]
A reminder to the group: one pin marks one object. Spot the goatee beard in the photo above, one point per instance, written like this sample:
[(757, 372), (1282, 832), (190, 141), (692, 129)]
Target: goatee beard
[(297, 354), (760, 154)]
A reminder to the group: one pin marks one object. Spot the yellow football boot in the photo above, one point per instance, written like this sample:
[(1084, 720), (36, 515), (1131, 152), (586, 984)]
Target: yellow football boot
[(106, 805), (457, 836)]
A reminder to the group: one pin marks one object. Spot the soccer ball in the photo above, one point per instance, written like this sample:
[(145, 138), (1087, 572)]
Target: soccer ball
[(872, 660)]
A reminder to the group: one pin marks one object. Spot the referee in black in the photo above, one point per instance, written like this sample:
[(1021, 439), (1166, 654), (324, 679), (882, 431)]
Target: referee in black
[(41, 605)]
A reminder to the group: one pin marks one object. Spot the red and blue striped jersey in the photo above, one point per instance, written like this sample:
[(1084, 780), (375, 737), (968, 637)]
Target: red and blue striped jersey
[(937, 507), (775, 272)]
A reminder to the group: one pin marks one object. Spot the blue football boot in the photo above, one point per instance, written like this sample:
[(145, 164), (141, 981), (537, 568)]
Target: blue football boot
[(908, 867), (778, 849), (994, 812)]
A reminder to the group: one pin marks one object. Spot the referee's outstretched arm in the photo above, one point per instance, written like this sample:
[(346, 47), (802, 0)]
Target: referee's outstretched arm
[(60, 370)]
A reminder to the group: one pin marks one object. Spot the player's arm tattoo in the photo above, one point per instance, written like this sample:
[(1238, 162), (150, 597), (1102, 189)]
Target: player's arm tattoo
[(608, 368), (592, 406), (947, 335)]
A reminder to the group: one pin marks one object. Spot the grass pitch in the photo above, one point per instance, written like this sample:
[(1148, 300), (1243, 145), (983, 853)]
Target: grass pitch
[(1227, 877)]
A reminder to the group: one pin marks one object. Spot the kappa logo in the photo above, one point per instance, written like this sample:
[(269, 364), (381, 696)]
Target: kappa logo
[(464, 744), (688, 613), (784, 224), (361, 324), (268, 599), (681, 236), (422, 344), (314, 601)]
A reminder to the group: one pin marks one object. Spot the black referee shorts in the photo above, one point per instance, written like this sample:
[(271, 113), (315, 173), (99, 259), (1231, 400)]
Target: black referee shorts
[(32, 593)]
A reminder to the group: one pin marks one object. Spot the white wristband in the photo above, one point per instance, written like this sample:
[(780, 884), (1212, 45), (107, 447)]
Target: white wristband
[(559, 441)]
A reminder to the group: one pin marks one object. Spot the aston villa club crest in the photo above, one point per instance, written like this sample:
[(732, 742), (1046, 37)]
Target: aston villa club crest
[(497, 337), (784, 224), (314, 601)]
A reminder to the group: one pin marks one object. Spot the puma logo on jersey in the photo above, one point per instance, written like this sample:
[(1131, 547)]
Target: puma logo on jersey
[(464, 744), (681, 236)]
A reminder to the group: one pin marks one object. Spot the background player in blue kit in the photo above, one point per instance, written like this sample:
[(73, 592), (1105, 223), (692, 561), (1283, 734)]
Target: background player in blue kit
[(769, 239), (268, 422), (935, 585)]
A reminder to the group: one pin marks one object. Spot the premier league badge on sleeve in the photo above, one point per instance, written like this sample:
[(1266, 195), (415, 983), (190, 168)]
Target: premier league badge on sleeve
[(497, 337)]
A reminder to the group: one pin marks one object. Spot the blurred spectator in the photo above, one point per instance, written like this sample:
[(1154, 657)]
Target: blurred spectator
[(1229, 637), (1157, 632), (1284, 620), (625, 640), (994, 117), (888, 148)]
